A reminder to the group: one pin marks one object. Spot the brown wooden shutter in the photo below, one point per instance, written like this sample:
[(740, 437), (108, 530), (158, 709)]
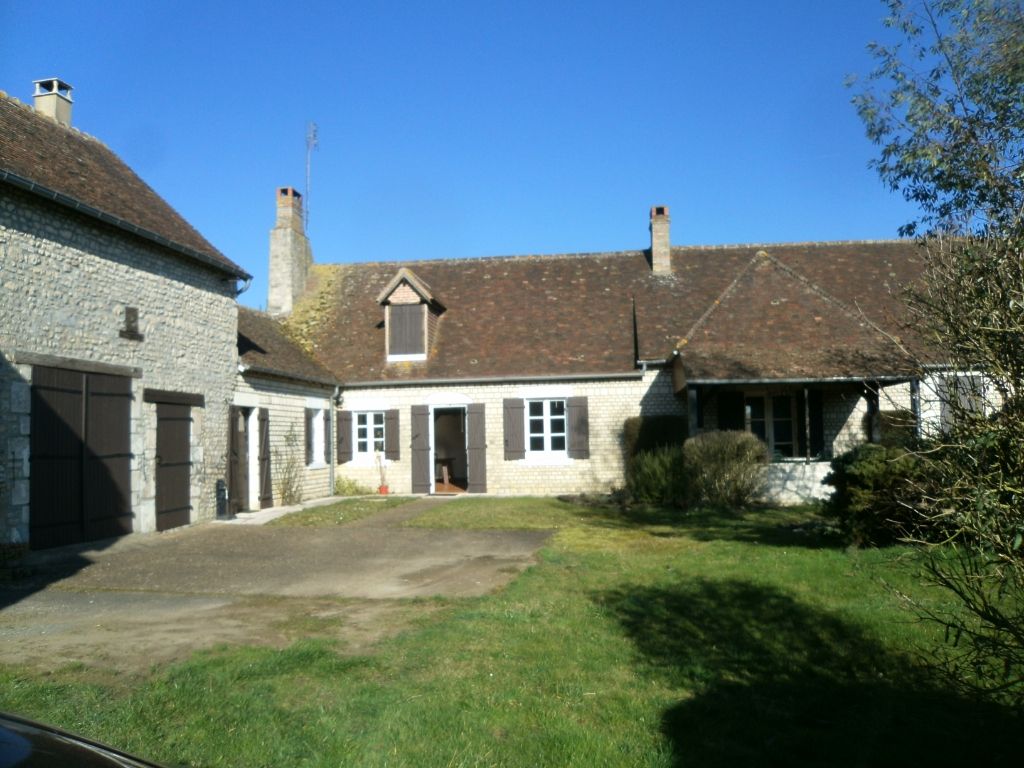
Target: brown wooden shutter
[(405, 329), (344, 436), (513, 416), (816, 408), (421, 470), (477, 449), (327, 436), (579, 428), (266, 487), (392, 451), (309, 436)]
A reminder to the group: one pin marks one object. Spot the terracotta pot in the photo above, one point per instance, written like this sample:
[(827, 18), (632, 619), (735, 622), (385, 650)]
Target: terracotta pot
[(382, 490)]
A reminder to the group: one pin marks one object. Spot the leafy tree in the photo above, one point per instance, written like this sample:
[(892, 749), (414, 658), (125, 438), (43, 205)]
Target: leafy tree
[(946, 108)]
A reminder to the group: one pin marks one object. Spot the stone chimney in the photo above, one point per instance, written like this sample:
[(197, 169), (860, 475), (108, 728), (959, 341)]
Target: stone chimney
[(290, 254), (661, 256), (53, 99)]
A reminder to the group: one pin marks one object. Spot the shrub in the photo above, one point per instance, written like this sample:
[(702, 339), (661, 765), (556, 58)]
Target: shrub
[(898, 427), (657, 476), (345, 486), (873, 484), (646, 433), (724, 468)]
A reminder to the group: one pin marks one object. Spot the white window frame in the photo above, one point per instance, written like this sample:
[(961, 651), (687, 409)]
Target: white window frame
[(367, 455), (547, 454), (319, 441)]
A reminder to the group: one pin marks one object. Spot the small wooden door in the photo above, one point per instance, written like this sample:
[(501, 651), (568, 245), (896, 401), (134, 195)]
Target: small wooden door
[(266, 487), (238, 460), (173, 465), (422, 473), (476, 448)]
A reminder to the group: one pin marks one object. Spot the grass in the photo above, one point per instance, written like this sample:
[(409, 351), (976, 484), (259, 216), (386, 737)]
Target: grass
[(642, 638), (341, 512)]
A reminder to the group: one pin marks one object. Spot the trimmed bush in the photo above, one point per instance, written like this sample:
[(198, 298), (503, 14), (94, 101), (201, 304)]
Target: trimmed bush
[(724, 468), (657, 476), (872, 484), (647, 433)]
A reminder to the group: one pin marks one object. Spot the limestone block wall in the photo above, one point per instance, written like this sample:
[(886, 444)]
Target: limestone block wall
[(65, 281), (609, 404), (286, 403)]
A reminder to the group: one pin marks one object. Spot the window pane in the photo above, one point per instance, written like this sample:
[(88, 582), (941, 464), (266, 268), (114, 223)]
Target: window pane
[(361, 418), (536, 408), (536, 427), (558, 426), (378, 433), (378, 418), (557, 442), (361, 446), (757, 428), (361, 433), (782, 407), (755, 407), (536, 443), (558, 407)]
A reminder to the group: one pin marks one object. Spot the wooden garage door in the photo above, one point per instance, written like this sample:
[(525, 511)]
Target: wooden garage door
[(80, 479), (173, 465)]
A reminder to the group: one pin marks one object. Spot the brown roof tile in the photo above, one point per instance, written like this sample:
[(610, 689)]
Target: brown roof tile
[(263, 347), (65, 164), (801, 311)]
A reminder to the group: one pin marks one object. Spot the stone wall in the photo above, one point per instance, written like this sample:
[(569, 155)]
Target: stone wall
[(286, 403), (609, 404), (65, 281)]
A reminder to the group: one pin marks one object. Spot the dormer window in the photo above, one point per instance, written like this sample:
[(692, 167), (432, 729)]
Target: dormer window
[(410, 314)]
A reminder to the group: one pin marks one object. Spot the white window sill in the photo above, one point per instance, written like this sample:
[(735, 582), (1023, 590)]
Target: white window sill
[(317, 465), (547, 459), (406, 358)]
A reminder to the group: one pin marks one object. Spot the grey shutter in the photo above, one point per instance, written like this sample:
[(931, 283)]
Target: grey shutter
[(309, 436), (579, 428), (514, 415), (327, 436), (421, 471), (266, 489), (392, 451), (477, 453), (405, 329), (942, 392), (344, 436)]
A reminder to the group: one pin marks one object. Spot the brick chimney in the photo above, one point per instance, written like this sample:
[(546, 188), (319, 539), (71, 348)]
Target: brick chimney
[(53, 99), (290, 254), (661, 257)]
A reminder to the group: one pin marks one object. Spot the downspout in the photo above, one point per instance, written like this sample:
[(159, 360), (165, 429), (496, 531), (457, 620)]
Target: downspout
[(333, 431)]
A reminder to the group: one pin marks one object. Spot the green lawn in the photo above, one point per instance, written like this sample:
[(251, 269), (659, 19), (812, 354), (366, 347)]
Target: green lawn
[(340, 512), (642, 638)]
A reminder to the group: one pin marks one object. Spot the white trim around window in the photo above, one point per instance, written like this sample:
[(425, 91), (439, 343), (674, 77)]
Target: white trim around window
[(368, 435), (546, 431)]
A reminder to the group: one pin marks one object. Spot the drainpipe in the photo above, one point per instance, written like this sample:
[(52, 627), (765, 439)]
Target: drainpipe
[(334, 426)]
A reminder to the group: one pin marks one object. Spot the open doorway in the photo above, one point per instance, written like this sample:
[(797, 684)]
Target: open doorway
[(450, 460)]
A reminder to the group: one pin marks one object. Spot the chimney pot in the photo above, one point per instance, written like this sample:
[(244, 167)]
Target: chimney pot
[(52, 98), (661, 246)]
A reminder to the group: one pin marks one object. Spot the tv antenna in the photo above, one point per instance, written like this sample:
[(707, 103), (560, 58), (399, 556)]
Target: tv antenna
[(312, 142)]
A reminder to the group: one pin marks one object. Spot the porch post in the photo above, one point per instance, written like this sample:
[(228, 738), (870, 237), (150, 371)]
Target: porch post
[(807, 425), (692, 411)]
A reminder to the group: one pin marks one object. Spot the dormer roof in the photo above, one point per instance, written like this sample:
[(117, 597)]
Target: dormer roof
[(408, 277)]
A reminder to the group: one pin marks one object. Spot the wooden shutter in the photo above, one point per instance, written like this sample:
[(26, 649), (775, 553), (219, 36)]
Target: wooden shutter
[(266, 487), (309, 436), (344, 436), (477, 449), (327, 436), (391, 445), (421, 470), (730, 411), (816, 407), (579, 428), (405, 329), (514, 415)]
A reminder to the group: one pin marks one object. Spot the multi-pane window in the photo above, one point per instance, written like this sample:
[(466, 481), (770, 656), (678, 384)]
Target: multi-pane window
[(773, 420), (545, 425), (369, 432)]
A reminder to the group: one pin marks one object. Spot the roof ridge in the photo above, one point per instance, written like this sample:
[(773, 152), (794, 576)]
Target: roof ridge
[(792, 244), (504, 257)]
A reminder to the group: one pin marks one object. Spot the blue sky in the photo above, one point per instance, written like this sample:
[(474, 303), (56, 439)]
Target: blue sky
[(455, 129)]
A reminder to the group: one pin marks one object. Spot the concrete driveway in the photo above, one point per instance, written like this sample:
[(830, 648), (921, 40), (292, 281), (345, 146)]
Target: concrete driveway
[(158, 597)]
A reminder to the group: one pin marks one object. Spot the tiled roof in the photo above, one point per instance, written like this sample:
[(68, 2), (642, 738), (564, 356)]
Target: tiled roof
[(263, 347), (66, 165), (813, 310)]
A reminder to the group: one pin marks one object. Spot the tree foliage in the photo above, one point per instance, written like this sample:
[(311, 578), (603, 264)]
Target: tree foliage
[(946, 108)]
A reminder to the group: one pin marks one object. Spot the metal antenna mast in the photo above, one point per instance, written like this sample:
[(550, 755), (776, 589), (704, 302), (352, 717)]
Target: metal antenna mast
[(312, 142)]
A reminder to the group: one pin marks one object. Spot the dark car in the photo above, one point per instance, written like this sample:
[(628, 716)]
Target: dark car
[(25, 743)]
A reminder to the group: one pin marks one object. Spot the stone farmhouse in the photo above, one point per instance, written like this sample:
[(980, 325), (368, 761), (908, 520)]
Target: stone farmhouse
[(118, 326), (123, 355), (515, 375)]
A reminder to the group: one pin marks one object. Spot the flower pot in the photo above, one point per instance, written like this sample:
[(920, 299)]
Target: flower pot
[(382, 490)]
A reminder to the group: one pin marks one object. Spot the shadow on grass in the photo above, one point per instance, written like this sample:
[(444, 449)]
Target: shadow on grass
[(789, 527), (775, 682)]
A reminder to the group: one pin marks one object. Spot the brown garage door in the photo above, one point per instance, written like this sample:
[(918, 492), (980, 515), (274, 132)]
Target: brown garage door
[(173, 465), (80, 479)]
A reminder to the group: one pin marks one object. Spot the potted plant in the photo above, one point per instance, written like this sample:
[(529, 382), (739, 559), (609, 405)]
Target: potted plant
[(382, 469)]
